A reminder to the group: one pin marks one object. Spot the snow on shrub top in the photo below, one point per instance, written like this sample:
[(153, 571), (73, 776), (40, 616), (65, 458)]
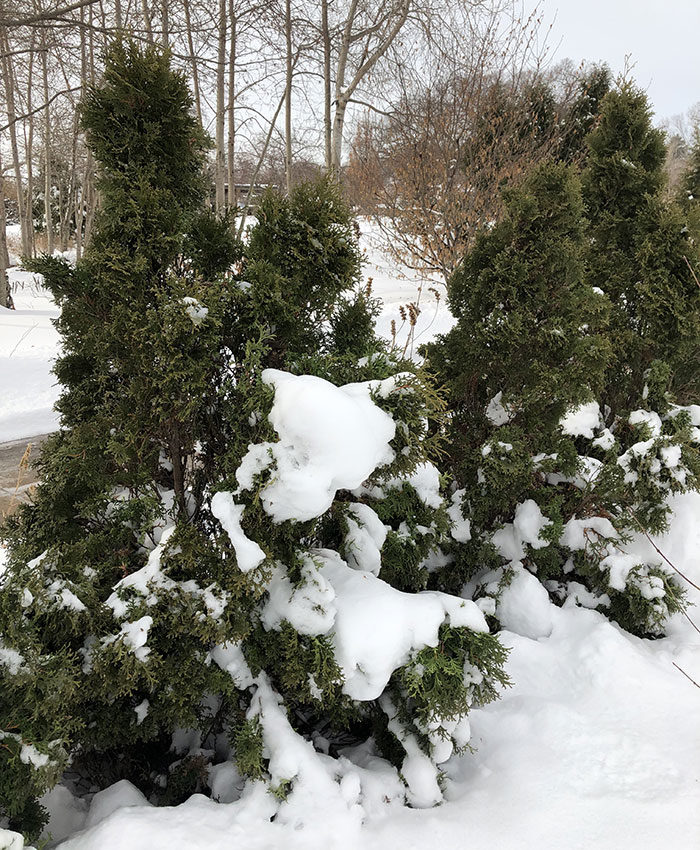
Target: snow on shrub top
[(582, 420), (331, 438), (249, 555), (377, 627)]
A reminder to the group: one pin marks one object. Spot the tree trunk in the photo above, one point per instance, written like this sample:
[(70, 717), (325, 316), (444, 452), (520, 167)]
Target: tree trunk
[(91, 44), (220, 170), (368, 58), (90, 197), (80, 187), (48, 217), (89, 191), (7, 74), (165, 22), (4, 253), (104, 26), (147, 21), (326, 37), (231, 150), (193, 61), (288, 97), (29, 154), (78, 213), (338, 122), (5, 297)]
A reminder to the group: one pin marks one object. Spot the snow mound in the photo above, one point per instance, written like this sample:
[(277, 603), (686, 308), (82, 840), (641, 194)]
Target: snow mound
[(67, 814), (11, 840), (524, 606), (117, 796)]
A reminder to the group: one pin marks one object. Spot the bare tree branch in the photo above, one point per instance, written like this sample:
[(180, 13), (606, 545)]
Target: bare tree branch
[(39, 108), (48, 15)]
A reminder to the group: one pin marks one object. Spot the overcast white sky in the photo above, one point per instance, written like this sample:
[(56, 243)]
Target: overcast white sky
[(662, 38)]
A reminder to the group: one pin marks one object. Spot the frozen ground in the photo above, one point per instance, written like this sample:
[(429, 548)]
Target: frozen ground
[(596, 744)]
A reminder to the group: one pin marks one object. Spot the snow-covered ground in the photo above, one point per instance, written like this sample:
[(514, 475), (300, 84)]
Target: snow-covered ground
[(398, 287), (28, 345), (29, 342), (596, 744)]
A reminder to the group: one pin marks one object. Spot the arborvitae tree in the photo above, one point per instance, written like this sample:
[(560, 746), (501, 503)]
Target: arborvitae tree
[(210, 532), (583, 114), (528, 328), (640, 253), (140, 356), (545, 486), (689, 191)]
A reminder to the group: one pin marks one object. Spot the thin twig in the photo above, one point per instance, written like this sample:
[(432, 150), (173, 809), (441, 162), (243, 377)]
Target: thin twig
[(686, 675), (692, 270), (682, 607), (25, 334), (648, 537), (49, 15), (688, 618), (39, 108)]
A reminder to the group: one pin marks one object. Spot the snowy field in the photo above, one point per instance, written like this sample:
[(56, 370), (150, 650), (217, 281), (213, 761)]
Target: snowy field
[(28, 344), (596, 744)]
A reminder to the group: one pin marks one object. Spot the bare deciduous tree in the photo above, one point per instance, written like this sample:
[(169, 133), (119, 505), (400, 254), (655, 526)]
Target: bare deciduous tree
[(466, 123)]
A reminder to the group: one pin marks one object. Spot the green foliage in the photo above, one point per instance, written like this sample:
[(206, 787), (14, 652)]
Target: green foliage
[(583, 113), (209, 246), (640, 252), (417, 530), (125, 598), (149, 146), (187, 777), (300, 277), (528, 325), (290, 659), (465, 667), (141, 336), (689, 191), (248, 746), (534, 342), (688, 195)]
